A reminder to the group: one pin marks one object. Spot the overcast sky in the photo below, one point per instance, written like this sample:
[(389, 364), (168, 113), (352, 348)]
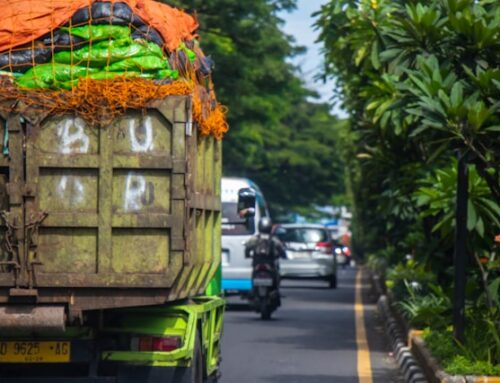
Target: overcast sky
[(299, 24)]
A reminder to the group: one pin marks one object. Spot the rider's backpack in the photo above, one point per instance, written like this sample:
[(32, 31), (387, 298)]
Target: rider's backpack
[(264, 248)]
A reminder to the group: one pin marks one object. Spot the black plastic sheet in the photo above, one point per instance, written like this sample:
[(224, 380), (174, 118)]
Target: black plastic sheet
[(40, 52), (22, 60)]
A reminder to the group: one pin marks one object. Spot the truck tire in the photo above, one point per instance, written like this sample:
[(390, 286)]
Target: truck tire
[(212, 379), (194, 373)]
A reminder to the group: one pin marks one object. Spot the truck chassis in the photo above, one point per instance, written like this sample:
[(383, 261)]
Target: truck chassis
[(107, 354)]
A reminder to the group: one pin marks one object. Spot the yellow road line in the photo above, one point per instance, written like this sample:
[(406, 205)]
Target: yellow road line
[(364, 362)]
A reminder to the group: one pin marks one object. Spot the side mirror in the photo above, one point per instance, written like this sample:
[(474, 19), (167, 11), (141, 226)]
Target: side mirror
[(246, 202)]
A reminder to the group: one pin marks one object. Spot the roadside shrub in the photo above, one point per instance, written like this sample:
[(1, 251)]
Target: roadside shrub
[(411, 273), (376, 264), (460, 365), (479, 355), (430, 310)]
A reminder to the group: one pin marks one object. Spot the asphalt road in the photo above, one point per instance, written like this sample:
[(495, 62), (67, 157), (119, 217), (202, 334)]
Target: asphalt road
[(311, 338)]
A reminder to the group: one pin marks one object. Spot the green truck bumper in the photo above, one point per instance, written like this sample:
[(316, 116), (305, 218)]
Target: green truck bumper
[(201, 317)]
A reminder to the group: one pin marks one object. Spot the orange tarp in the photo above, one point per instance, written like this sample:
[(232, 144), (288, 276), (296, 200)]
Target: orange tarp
[(22, 21)]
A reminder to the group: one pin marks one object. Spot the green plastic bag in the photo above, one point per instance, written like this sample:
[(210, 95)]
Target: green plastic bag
[(110, 75), (189, 53), (144, 63), (106, 52), (100, 32), (167, 73), (52, 75)]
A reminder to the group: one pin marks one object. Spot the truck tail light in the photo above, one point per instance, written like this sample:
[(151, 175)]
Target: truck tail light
[(324, 247), (153, 343)]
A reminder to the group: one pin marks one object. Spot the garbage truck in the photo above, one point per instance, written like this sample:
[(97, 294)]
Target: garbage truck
[(110, 209)]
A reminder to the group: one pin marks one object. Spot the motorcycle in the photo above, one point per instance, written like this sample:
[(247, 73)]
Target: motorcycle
[(265, 251)]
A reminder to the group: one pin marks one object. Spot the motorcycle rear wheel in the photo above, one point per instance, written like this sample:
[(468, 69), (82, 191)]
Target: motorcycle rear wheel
[(265, 310)]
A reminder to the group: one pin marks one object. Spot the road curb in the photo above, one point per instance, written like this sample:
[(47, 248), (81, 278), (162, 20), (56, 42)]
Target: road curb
[(414, 360), (428, 361), (407, 363)]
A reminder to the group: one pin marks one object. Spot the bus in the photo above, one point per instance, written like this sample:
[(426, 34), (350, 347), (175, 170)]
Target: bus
[(236, 268)]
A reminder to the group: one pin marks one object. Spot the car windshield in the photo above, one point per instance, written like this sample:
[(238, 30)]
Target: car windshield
[(232, 224), (301, 234)]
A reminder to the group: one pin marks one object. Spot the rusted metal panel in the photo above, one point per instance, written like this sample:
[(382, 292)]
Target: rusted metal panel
[(204, 208), (14, 267), (110, 212), (32, 318), (94, 298), (4, 137)]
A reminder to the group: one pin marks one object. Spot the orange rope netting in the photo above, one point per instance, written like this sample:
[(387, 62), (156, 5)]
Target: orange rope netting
[(100, 101), (25, 20), (25, 27)]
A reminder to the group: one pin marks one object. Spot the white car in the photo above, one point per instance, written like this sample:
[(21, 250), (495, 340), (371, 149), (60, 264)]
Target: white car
[(309, 252)]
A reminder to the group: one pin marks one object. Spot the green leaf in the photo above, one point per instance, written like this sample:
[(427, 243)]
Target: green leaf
[(437, 152), (445, 221), (374, 55), (385, 119), (381, 110), (360, 55), (433, 105), (494, 288), (389, 54), (495, 128), (423, 87), (373, 105), (444, 98), (492, 205), (456, 97), (471, 216), (480, 227), (436, 75), (417, 131)]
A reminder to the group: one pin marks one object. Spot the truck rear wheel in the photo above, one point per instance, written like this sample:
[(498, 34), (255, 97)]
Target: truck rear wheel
[(194, 373)]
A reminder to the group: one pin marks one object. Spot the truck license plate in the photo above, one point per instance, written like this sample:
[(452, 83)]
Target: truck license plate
[(34, 352), (262, 282)]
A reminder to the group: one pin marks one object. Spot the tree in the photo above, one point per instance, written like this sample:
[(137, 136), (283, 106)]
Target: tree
[(421, 81), (278, 138)]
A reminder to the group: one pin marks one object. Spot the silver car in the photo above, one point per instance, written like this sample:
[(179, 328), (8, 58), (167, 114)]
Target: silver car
[(309, 252)]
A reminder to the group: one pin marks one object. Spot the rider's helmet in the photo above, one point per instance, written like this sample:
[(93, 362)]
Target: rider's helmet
[(265, 225)]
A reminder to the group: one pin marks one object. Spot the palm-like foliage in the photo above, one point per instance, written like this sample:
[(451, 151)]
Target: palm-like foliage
[(421, 81)]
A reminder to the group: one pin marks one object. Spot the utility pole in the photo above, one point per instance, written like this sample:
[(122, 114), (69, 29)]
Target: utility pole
[(460, 257)]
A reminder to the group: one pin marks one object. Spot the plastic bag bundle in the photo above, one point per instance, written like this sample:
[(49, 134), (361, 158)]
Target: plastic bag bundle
[(101, 32), (108, 51), (99, 58)]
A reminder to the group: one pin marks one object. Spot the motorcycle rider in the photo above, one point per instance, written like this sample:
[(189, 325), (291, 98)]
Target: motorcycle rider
[(265, 251)]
